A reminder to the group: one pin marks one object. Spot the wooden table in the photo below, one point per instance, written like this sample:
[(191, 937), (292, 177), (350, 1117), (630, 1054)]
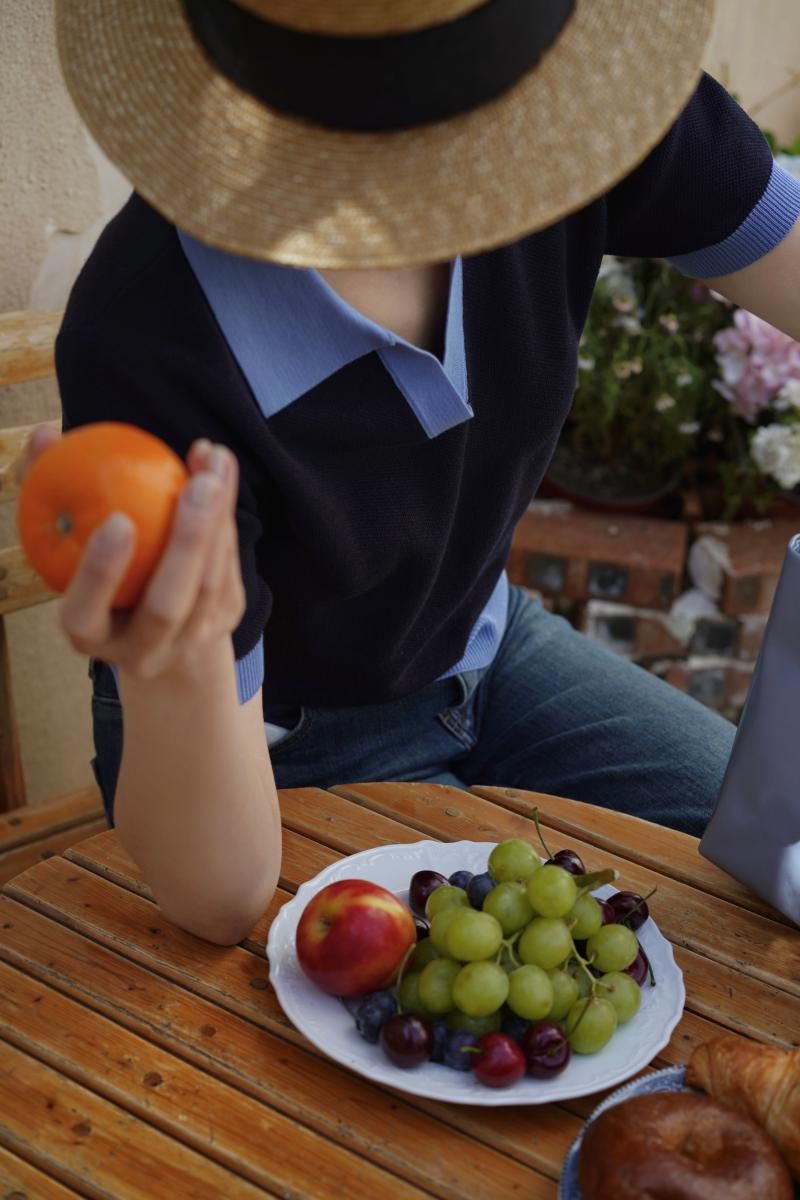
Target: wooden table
[(137, 1061)]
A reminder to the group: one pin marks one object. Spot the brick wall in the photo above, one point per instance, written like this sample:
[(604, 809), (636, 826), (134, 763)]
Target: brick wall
[(688, 600)]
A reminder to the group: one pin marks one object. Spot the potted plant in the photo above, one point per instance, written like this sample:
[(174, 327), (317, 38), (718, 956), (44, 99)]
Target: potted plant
[(645, 361)]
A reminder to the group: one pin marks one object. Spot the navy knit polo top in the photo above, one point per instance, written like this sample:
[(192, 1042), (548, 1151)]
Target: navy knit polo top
[(369, 545)]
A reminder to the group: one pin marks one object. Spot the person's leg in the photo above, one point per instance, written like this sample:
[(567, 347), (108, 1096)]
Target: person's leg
[(559, 713), (420, 738)]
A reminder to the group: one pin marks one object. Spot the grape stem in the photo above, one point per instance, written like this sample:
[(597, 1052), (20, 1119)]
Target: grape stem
[(401, 973), (535, 815), (508, 944), (651, 973), (584, 963), (595, 879)]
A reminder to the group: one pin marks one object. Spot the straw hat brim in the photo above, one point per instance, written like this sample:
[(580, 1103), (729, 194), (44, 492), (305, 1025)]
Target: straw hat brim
[(247, 179)]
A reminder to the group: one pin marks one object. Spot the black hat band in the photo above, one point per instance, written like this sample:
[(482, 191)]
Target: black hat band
[(392, 81)]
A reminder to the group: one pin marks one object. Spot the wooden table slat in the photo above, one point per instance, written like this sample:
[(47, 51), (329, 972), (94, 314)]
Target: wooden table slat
[(144, 998), (720, 992), (378, 1124), (165, 1091), (97, 1148), (14, 862), (663, 850), (722, 931), (20, 1181)]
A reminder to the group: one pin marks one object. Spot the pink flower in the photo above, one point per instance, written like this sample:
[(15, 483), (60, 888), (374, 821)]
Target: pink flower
[(756, 361)]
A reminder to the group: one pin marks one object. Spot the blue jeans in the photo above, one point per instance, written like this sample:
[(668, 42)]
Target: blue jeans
[(555, 712)]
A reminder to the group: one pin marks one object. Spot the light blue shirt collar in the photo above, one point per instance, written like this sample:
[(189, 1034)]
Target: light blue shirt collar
[(290, 330)]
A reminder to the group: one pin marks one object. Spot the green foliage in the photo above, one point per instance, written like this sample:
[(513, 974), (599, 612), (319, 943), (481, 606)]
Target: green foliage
[(645, 362)]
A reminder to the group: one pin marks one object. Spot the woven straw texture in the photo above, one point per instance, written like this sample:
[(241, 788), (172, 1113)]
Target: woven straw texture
[(239, 176)]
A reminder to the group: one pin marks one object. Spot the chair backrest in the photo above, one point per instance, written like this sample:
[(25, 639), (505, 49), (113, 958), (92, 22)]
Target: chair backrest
[(26, 353)]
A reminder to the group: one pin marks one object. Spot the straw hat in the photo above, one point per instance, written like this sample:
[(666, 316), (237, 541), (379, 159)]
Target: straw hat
[(366, 133)]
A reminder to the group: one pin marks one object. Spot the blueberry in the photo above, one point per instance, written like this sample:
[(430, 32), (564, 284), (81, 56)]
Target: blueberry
[(479, 888), (440, 1032), (456, 1054), (351, 1003), (460, 879), (514, 1026), (372, 1012)]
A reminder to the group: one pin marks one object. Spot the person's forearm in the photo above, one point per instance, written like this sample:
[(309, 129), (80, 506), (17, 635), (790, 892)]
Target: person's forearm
[(196, 805)]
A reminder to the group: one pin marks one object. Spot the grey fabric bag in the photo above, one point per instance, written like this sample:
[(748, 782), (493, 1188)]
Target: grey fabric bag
[(754, 833)]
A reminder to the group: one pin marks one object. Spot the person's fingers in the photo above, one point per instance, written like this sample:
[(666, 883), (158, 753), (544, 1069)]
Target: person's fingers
[(85, 612), (171, 594), (222, 464), (197, 457), (39, 440)]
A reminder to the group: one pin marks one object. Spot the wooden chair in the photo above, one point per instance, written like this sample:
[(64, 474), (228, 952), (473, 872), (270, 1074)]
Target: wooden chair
[(26, 354)]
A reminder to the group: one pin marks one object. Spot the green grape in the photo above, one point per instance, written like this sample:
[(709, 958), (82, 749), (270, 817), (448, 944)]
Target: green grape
[(513, 859), (509, 905), (530, 993), (546, 942), (552, 891), (612, 948), (623, 992), (425, 952), (480, 988), (439, 927), (445, 897), (585, 917), (409, 997), (476, 1025), (596, 1027), (436, 985), (565, 993), (473, 935)]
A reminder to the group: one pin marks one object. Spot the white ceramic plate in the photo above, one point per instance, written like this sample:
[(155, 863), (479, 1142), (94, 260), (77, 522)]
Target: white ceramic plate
[(326, 1023)]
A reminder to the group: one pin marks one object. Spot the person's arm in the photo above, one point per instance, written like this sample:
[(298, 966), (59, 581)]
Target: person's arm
[(196, 805), (769, 287)]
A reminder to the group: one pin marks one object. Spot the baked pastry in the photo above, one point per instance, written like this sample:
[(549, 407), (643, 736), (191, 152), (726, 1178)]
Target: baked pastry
[(761, 1081), (679, 1146)]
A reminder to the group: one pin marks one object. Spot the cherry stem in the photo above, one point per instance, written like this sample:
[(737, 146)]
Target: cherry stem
[(401, 973), (651, 973), (535, 815), (639, 904)]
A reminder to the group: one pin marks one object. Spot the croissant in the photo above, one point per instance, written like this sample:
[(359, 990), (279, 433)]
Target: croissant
[(763, 1082)]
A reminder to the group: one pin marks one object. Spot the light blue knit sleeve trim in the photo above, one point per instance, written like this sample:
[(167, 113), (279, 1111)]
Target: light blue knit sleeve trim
[(767, 224), (249, 672)]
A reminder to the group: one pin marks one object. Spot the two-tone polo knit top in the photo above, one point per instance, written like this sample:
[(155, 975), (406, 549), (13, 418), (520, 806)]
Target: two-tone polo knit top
[(380, 486)]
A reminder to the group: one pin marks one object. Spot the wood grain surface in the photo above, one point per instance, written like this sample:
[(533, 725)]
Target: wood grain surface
[(137, 1060)]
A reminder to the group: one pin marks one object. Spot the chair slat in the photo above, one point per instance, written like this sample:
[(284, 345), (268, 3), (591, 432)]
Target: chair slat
[(12, 445), (27, 345), (20, 586)]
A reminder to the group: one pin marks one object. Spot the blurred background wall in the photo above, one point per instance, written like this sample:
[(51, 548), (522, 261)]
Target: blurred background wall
[(56, 193)]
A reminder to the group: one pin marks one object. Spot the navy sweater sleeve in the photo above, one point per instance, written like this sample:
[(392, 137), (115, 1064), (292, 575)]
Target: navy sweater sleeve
[(698, 185), (131, 361)]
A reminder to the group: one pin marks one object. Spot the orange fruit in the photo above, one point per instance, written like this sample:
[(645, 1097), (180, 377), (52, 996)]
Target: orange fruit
[(78, 481)]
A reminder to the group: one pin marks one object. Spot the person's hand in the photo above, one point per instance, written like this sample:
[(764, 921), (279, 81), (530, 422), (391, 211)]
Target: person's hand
[(195, 597)]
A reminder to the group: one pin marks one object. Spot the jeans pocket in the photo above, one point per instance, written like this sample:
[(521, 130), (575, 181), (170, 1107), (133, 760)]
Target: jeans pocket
[(293, 736)]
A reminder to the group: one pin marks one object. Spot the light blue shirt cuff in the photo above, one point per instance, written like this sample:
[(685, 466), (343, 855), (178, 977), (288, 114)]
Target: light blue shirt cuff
[(761, 231), (249, 673)]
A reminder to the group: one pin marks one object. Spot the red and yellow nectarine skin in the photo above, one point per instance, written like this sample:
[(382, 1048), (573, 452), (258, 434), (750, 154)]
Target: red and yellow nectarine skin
[(352, 936)]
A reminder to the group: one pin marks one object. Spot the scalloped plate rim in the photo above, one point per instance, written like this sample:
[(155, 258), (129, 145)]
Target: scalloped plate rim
[(454, 1087)]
